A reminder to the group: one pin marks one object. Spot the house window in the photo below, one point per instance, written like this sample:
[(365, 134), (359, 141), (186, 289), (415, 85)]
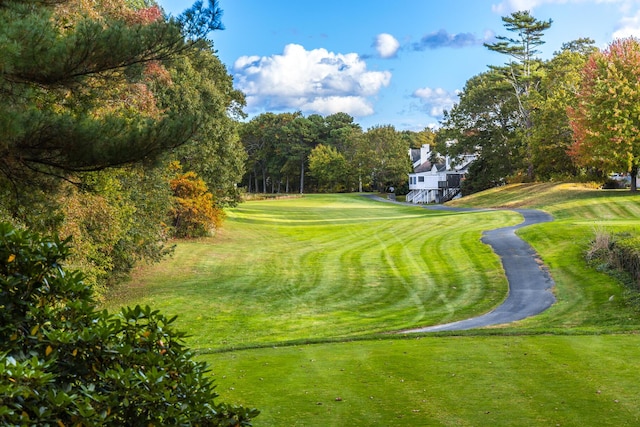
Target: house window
[(421, 179)]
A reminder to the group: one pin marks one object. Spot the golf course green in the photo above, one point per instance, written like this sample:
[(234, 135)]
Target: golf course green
[(296, 304)]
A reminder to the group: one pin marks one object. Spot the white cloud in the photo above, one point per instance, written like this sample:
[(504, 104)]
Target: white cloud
[(314, 81), (386, 45), (435, 101), (337, 104), (629, 26)]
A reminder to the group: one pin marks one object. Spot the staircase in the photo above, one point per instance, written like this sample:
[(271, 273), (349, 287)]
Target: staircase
[(450, 194), (420, 196)]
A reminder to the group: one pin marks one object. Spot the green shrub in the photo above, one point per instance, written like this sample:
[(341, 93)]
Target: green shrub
[(626, 256), (62, 363), (618, 254)]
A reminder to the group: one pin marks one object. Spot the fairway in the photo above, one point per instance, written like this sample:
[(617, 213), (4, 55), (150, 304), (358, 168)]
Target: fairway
[(456, 381), (293, 301), (326, 267)]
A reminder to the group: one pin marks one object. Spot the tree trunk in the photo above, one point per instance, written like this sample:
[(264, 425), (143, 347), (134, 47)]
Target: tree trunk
[(634, 179), (264, 181), (302, 177)]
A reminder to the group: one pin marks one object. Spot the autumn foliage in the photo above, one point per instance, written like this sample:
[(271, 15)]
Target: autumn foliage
[(194, 213), (606, 121)]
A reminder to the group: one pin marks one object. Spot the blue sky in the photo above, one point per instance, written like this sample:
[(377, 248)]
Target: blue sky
[(397, 63)]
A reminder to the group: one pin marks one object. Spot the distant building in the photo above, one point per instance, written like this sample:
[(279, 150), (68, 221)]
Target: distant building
[(436, 180)]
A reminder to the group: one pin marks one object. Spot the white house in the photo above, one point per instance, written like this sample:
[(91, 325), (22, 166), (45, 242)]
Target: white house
[(436, 182)]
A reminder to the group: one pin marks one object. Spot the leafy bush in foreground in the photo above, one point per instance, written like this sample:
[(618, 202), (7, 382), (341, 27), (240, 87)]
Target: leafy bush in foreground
[(62, 363)]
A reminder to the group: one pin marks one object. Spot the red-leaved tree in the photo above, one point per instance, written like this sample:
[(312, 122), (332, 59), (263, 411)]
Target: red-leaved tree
[(606, 121)]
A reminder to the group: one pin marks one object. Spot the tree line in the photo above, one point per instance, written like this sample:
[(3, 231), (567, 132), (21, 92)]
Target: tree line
[(289, 152), (118, 130), (571, 117)]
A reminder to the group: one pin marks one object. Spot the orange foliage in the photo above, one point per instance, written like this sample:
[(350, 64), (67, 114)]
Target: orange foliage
[(606, 121), (98, 10), (145, 16), (194, 213), (157, 72)]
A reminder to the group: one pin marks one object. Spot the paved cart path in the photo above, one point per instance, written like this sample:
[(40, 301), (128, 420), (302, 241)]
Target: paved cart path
[(530, 285)]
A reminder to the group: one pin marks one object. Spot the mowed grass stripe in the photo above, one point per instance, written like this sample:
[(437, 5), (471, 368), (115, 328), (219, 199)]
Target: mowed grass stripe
[(327, 266), (470, 381), (538, 372)]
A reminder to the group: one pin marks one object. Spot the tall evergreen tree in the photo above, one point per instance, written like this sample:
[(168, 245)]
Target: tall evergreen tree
[(524, 73), (65, 78)]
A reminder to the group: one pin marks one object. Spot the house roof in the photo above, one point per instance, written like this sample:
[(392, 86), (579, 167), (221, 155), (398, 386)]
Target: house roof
[(427, 166)]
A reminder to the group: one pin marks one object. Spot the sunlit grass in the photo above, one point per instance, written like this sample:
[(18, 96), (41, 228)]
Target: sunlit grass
[(324, 267), (339, 271), (468, 381)]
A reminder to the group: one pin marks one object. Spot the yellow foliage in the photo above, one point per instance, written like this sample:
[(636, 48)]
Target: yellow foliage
[(194, 212)]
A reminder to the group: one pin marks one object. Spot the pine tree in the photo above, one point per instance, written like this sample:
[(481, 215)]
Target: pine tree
[(72, 86)]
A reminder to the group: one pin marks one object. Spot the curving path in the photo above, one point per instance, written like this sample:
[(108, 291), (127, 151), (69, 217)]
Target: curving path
[(529, 283)]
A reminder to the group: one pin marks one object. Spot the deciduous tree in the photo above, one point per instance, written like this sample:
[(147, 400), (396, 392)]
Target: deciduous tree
[(201, 84), (606, 120), (193, 213), (328, 167), (551, 136), (388, 154), (485, 121)]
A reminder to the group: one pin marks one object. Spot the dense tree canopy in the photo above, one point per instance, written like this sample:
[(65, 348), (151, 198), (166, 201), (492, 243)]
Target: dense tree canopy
[(485, 121), (328, 167), (341, 156), (66, 89), (202, 88), (97, 99), (606, 120), (514, 117), (551, 137)]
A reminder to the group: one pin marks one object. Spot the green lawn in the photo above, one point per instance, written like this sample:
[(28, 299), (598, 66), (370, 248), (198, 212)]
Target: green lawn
[(453, 381), (292, 301), (325, 267)]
